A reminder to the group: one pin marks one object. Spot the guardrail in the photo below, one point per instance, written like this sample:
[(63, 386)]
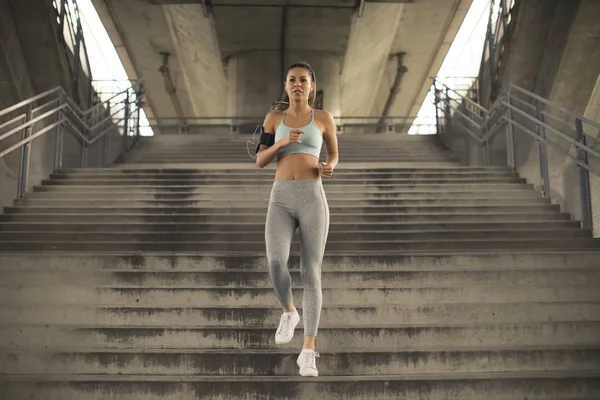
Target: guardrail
[(517, 113), (114, 121), (247, 124)]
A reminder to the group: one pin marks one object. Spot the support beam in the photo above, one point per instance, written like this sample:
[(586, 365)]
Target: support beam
[(369, 45)]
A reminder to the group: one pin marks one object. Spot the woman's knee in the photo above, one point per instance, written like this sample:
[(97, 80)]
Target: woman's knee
[(312, 279)]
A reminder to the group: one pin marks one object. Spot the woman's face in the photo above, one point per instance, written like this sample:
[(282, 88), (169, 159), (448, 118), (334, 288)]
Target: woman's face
[(298, 84)]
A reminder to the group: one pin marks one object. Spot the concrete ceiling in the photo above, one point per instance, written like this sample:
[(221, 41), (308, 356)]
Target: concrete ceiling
[(200, 35)]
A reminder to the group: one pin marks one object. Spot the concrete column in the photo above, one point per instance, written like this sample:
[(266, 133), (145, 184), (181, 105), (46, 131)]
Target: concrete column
[(574, 41), (255, 80), (593, 112), (369, 45)]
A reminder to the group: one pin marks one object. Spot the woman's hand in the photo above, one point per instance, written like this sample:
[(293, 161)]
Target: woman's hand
[(292, 137), (326, 170)]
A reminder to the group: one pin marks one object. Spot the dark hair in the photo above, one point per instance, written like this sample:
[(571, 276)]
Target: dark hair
[(283, 103)]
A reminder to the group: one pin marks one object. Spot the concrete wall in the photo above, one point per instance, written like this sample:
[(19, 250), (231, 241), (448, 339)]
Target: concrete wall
[(32, 60), (255, 80), (593, 112), (553, 52)]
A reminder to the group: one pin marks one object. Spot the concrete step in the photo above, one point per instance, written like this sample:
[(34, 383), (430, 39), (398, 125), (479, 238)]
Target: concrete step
[(233, 236), (368, 187), (575, 385), (245, 173), (246, 315), (351, 260), (329, 279), (331, 339), (261, 191), (224, 160), (198, 247), (370, 168), (185, 201), (235, 295), (258, 173), (194, 181), (261, 195), (248, 210), (154, 217), (260, 226), (263, 362)]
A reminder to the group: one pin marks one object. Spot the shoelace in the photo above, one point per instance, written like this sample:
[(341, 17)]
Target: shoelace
[(312, 361), (284, 324)]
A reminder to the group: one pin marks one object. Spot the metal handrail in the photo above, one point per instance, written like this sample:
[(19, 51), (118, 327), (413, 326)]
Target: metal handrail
[(61, 112), (503, 111)]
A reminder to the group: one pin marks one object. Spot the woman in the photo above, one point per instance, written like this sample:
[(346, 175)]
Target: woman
[(294, 132)]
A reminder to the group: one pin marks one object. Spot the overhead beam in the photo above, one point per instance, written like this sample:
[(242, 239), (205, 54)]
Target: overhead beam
[(367, 55)]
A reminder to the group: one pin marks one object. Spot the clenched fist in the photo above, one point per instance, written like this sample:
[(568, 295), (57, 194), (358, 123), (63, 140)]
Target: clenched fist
[(326, 170), (292, 137)]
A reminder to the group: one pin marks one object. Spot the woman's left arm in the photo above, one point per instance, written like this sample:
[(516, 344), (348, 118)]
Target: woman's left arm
[(331, 143)]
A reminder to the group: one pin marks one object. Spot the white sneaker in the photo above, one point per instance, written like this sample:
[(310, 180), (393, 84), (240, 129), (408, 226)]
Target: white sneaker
[(307, 361), (287, 324)]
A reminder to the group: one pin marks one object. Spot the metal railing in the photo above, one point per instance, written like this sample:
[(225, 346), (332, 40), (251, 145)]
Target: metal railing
[(69, 23), (112, 124), (518, 125), (493, 48), (247, 124)]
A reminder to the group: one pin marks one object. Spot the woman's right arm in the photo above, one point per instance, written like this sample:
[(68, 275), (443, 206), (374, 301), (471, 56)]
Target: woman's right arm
[(267, 154)]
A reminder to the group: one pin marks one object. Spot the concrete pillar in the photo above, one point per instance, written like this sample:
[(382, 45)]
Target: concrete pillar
[(255, 80), (593, 112), (566, 76)]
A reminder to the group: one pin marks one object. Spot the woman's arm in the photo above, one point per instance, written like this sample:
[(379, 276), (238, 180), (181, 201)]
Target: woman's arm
[(331, 142), (267, 154)]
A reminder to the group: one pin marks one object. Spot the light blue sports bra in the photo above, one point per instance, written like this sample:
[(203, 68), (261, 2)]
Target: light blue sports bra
[(311, 140)]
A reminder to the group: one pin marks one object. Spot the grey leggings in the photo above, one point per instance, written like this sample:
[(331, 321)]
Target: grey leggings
[(293, 204)]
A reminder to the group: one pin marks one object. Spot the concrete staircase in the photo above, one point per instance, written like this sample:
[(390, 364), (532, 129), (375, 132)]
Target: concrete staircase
[(148, 281)]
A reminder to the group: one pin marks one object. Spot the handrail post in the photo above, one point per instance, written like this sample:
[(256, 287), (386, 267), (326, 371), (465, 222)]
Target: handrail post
[(543, 152), (23, 178), (138, 102), (486, 145), (510, 135), (59, 143), (584, 178), (436, 102), (126, 121), (106, 142)]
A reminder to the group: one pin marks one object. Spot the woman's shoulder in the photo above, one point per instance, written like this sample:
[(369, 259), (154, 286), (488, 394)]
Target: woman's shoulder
[(323, 116), (273, 118)]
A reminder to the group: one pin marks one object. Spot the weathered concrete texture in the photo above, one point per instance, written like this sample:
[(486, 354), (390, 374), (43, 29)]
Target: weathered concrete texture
[(571, 88), (369, 46), (144, 32), (258, 54), (254, 80), (592, 112), (200, 58), (25, 34), (426, 45), (551, 51)]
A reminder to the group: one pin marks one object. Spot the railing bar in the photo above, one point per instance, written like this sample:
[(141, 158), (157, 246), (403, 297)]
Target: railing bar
[(523, 102), (30, 138), (12, 121), (552, 104), (31, 122), (562, 135), (559, 148), (45, 105), (29, 101)]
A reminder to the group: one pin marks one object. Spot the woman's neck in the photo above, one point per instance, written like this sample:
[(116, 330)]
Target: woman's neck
[(299, 108)]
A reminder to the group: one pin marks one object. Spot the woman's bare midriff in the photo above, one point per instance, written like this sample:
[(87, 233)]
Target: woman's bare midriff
[(297, 166)]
